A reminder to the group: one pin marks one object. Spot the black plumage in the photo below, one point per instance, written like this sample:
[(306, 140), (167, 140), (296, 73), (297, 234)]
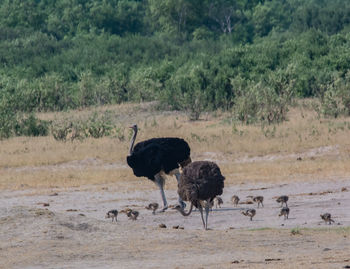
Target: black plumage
[(153, 157), (200, 183), (158, 154)]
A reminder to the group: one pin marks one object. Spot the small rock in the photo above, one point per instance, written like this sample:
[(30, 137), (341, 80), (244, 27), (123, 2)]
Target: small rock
[(162, 225), (326, 249), (81, 214), (181, 227), (282, 224), (235, 261), (344, 189), (346, 266), (299, 159), (176, 227), (53, 194), (71, 210)]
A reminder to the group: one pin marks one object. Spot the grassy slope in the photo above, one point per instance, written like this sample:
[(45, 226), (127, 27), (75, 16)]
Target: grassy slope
[(244, 153)]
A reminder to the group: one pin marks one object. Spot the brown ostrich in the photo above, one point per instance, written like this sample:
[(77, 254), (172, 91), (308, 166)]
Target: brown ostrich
[(154, 158), (200, 182), (153, 207), (235, 200), (284, 212), (250, 213), (112, 214), (327, 218), (283, 200)]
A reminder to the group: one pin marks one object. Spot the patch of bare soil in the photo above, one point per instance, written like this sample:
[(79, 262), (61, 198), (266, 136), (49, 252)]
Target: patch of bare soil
[(68, 229)]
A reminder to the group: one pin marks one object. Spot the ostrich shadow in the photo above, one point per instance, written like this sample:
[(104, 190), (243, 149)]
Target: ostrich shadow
[(291, 218), (228, 209)]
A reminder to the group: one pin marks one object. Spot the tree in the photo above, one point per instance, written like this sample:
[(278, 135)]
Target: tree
[(175, 16)]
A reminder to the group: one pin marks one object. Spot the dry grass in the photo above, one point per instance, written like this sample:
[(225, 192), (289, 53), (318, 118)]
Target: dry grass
[(245, 153)]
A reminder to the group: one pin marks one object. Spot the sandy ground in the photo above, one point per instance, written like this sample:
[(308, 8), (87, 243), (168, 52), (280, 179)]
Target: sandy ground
[(72, 232)]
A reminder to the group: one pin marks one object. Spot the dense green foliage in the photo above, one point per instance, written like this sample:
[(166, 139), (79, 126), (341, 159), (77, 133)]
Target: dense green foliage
[(251, 56)]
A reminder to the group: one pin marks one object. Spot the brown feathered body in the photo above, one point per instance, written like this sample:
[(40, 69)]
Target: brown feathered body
[(257, 199), (200, 181), (327, 218), (282, 199), (235, 200), (153, 207), (250, 213), (113, 214), (284, 212)]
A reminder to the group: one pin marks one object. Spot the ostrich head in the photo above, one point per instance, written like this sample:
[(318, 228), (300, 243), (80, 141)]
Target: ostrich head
[(134, 127)]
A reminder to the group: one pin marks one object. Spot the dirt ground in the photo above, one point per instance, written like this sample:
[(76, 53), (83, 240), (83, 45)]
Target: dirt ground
[(71, 231), (54, 197)]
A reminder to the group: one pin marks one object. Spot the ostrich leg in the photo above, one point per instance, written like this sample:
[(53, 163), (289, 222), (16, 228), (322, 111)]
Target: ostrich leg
[(200, 208), (206, 214), (160, 182), (181, 202)]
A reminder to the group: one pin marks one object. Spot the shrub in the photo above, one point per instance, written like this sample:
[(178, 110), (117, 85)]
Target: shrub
[(31, 126), (265, 102), (7, 120), (96, 126), (330, 103), (99, 126)]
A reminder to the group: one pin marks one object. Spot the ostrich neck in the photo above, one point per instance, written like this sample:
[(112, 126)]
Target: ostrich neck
[(183, 213), (133, 138)]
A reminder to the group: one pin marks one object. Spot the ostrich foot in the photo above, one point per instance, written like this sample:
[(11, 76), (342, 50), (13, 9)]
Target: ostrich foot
[(163, 209)]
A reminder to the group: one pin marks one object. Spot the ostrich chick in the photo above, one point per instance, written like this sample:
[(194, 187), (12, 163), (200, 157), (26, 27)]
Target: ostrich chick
[(235, 200), (257, 199), (112, 214), (283, 200), (132, 214), (153, 207), (217, 202), (200, 182), (250, 213), (327, 218), (284, 212)]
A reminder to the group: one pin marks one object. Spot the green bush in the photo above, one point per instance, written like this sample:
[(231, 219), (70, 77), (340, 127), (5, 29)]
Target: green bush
[(335, 97), (99, 126), (96, 126), (7, 120), (31, 126), (265, 102)]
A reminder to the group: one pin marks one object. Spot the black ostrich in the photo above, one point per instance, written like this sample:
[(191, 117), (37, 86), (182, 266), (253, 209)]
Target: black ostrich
[(199, 184), (155, 157)]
